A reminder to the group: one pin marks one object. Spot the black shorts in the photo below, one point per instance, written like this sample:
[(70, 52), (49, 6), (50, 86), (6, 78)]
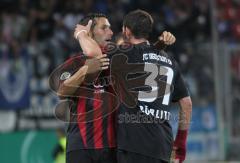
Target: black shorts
[(92, 156), (130, 157)]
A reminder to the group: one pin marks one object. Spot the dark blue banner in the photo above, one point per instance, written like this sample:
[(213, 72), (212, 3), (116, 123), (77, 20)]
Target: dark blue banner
[(14, 79)]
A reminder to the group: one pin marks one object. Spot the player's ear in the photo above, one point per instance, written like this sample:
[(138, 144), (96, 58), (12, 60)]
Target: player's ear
[(123, 30), (91, 33), (128, 32)]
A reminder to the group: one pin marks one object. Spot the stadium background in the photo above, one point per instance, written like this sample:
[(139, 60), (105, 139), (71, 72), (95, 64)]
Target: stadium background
[(37, 36)]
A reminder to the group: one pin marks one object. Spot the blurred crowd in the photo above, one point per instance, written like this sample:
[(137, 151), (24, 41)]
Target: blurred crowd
[(43, 30)]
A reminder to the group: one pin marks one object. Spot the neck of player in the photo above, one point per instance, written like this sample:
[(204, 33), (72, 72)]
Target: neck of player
[(137, 41)]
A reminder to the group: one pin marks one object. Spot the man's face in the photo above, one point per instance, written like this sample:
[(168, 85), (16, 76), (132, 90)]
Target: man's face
[(102, 32)]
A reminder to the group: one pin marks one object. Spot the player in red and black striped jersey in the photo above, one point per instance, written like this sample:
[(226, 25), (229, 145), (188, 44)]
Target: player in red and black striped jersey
[(91, 134), (145, 134), (86, 92), (91, 128), (92, 114)]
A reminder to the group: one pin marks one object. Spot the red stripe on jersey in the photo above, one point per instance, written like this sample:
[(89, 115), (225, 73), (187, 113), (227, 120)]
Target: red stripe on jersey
[(98, 121), (111, 125), (81, 111)]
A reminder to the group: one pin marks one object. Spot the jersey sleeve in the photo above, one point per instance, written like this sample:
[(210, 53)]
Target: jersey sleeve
[(65, 71), (180, 89), (70, 67)]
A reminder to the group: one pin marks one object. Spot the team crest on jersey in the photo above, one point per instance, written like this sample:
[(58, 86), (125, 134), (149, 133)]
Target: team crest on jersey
[(65, 76)]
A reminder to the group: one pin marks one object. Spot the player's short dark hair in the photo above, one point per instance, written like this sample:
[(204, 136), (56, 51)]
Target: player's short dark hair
[(92, 16), (139, 22)]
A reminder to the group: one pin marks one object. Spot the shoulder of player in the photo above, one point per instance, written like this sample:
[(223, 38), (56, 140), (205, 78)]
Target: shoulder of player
[(168, 56), (165, 54), (125, 49), (78, 59), (70, 66)]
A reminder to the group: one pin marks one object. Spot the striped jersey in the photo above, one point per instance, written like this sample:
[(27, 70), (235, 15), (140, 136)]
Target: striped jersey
[(92, 108)]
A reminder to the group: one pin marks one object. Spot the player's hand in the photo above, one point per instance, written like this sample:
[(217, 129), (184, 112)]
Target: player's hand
[(97, 64), (178, 154), (80, 29), (173, 157), (167, 38)]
